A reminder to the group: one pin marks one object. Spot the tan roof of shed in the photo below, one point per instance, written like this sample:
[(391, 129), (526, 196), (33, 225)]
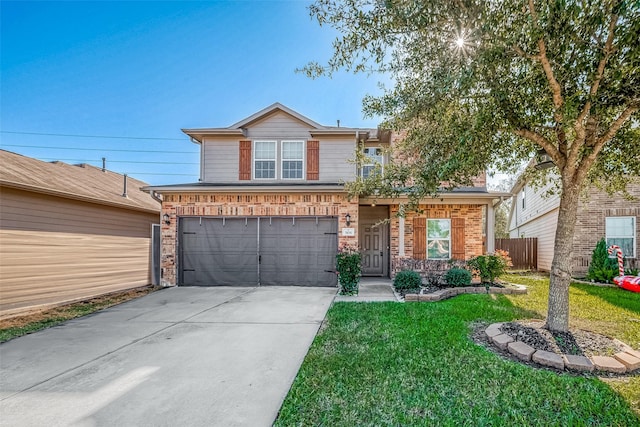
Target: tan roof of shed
[(80, 182)]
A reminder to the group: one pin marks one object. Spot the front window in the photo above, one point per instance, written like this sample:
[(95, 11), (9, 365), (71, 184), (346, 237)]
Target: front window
[(264, 161), (292, 159), (621, 231), (373, 161), (438, 238)]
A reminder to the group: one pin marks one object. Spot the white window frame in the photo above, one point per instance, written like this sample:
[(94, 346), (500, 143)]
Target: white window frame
[(632, 236), (302, 159), (448, 239), (373, 162), (275, 159)]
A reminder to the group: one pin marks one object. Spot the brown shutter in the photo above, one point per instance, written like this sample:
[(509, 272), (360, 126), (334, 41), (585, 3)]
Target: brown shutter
[(419, 238), (245, 161), (457, 238), (313, 160)]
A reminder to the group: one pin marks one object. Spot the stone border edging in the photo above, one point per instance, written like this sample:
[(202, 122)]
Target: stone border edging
[(451, 292), (622, 362)]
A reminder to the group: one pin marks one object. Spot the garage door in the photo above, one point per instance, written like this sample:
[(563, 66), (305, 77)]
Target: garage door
[(297, 251)]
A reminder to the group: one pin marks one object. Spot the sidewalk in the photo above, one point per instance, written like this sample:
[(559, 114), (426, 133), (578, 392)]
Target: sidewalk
[(372, 289)]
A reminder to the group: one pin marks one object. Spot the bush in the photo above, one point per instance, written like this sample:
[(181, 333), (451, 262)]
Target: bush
[(602, 268), (631, 271), (458, 277), (489, 266), (407, 280), (349, 270)]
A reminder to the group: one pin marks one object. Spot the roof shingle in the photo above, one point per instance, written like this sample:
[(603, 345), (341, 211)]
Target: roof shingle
[(83, 182)]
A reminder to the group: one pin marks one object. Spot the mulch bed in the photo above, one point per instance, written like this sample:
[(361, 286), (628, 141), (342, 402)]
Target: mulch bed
[(533, 333)]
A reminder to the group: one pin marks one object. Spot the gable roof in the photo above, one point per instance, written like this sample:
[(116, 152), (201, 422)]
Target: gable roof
[(79, 182), (239, 128), (270, 110)]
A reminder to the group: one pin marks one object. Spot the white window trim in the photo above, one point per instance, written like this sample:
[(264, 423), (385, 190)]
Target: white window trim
[(427, 237), (633, 235), (282, 159), (381, 163), (253, 160)]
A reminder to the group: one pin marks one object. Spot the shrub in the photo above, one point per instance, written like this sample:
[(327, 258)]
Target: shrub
[(602, 268), (458, 277), (489, 266), (349, 269), (631, 271), (407, 280)]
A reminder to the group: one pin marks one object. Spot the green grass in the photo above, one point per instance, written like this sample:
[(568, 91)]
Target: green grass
[(414, 364)]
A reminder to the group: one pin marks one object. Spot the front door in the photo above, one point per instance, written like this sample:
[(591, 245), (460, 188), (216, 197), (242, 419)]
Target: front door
[(372, 244)]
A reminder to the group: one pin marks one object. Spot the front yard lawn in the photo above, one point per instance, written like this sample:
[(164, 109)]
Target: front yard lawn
[(415, 364)]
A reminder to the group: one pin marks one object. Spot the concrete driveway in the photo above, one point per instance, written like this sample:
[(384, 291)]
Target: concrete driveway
[(177, 357)]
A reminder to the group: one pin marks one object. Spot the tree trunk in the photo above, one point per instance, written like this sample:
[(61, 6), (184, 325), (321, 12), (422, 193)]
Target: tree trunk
[(558, 311)]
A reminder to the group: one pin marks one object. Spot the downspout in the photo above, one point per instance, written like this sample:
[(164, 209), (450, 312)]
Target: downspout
[(195, 141)]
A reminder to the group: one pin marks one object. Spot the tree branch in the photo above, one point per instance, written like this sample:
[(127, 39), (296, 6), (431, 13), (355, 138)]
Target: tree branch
[(608, 49), (588, 161), (543, 142)]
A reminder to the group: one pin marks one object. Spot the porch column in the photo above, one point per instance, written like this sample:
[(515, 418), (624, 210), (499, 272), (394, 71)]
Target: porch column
[(491, 233)]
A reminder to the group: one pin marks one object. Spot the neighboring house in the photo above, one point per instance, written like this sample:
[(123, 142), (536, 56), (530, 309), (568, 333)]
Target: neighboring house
[(67, 232), (271, 208), (535, 214)]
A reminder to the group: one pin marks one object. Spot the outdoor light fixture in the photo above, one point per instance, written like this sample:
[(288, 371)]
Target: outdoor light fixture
[(166, 219), (543, 160), (348, 218)]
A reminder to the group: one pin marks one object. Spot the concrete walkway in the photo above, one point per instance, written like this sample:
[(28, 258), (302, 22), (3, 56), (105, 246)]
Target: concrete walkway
[(177, 357), (372, 289)]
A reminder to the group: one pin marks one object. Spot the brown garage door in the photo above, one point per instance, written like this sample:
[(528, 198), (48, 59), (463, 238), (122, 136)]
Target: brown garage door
[(276, 251)]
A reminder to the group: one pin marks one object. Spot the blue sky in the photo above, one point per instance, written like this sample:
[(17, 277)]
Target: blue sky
[(136, 70)]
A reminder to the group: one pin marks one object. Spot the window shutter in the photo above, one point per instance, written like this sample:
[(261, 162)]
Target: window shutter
[(419, 238), (245, 161), (313, 160), (457, 238)]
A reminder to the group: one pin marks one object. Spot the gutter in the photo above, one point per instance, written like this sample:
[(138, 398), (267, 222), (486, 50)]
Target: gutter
[(82, 198)]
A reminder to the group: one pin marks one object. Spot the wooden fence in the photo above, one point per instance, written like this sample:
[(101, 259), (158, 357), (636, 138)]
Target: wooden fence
[(523, 251)]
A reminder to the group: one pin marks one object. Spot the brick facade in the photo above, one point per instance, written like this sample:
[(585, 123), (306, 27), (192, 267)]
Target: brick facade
[(590, 225), (249, 205), (474, 229)]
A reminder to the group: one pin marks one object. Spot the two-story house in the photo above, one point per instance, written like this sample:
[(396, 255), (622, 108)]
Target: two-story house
[(271, 209), (534, 213)]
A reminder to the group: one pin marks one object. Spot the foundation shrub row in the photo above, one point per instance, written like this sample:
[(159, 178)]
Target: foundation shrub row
[(451, 273)]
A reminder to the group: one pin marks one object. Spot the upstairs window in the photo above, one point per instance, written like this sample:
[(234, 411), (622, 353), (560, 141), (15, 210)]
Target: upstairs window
[(264, 160), (292, 159), (438, 238), (373, 161), (621, 231)]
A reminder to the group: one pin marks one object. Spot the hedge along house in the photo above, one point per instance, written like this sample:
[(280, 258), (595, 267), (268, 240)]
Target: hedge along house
[(70, 232), (271, 209)]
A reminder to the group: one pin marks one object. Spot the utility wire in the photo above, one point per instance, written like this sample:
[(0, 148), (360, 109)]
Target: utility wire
[(116, 161), (98, 149), (91, 136)]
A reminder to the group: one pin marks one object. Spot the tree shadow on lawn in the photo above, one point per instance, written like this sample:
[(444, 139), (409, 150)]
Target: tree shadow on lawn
[(615, 296)]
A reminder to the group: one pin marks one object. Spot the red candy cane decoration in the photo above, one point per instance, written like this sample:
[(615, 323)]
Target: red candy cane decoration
[(619, 254)]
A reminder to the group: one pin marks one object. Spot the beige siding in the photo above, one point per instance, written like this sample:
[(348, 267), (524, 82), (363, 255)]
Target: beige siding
[(54, 250), (335, 156), (544, 228), (279, 126), (536, 205), (221, 160), (220, 157)]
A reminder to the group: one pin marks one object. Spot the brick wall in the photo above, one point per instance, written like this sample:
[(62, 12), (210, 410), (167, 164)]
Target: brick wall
[(590, 225), (248, 205), (473, 229)]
